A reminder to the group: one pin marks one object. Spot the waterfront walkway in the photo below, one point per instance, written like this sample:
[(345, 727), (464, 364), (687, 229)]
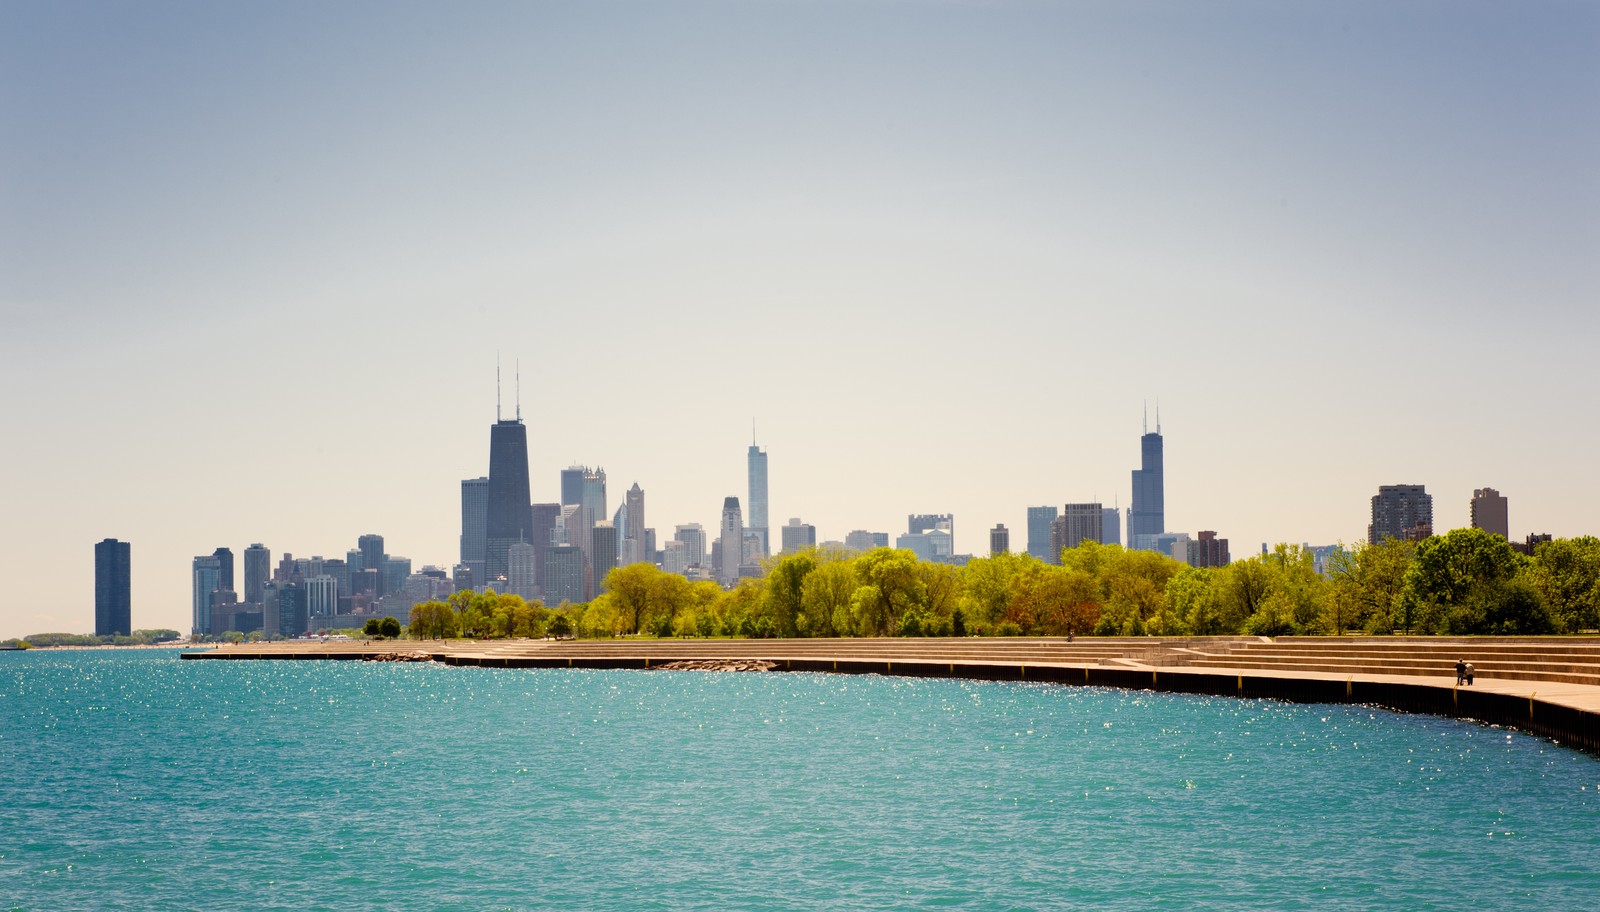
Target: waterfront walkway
[(1549, 685)]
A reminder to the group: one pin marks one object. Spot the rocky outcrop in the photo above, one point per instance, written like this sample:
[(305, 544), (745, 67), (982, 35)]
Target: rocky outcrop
[(718, 665)]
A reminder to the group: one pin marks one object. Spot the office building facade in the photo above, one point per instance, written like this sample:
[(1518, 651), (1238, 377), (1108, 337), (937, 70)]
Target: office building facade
[(1041, 523), (1489, 512), (1400, 512), (1148, 513), (113, 588), (757, 459)]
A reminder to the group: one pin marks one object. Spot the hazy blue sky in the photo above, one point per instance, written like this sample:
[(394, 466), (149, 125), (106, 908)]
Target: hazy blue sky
[(256, 261)]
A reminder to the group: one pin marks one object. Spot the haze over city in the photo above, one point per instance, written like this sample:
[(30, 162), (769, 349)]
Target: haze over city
[(257, 263)]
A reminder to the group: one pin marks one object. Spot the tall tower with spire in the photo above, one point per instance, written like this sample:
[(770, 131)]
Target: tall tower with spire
[(1148, 514), (758, 491), (509, 510)]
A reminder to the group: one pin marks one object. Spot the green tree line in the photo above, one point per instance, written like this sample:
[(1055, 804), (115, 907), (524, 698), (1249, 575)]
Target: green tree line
[(1466, 582)]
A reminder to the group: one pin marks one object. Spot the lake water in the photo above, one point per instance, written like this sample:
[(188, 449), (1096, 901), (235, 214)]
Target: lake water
[(130, 780)]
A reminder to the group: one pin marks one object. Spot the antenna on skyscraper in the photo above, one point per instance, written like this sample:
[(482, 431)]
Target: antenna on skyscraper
[(1158, 414), (752, 430), (519, 397), (497, 385), (1147, 416)]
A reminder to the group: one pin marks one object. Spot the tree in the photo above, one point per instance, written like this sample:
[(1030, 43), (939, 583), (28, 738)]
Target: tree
[(825, 600), (986, 588), (389, 627), (889, 584), (1365, 585), (1192, 601), (1459, 581), (786, 580), (371, 628), (1566, 574)]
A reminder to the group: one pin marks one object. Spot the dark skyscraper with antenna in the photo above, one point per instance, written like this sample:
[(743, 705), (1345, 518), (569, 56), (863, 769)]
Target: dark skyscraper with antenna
[(510, 508), (1148, 515)]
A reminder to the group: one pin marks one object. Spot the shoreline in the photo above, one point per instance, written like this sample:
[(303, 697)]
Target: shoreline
[(1563, 711)]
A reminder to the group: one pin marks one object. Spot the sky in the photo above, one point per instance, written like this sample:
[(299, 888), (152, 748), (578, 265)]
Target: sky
[(258, 263)]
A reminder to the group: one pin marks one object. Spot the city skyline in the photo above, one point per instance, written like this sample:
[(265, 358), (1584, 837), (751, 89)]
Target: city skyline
[(255, 278)]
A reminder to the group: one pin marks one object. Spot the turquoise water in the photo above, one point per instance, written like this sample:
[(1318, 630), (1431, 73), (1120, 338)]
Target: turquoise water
[(132, 781)]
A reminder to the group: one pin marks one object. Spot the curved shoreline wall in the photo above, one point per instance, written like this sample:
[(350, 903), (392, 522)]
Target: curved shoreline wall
[(1570, 725)]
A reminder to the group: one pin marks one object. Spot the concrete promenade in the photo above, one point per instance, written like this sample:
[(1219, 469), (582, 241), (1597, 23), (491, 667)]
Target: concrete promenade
[(1547, 686)]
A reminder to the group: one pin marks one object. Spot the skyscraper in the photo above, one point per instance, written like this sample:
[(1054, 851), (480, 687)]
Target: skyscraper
[(1207, 550), (1148, 515), (520, 575), (1110, 526), (257, 570), (372, 559), (546, 516), (1040, 522), (603, 559), (1489, 512), (563, 575), (732, 541), (999, 540), (1400, 512), (206, 576), (224, 558), (758, 496), (798, 535), (113, 590), (508, 515), (693, 536), (475, 524), (633, 548)]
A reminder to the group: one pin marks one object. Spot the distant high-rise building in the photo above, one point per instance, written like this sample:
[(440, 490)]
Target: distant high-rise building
[(758, 496), (1398, 511), (508, 515), (933, 544), (395, 571), (207, 579), (546, 516), (322, 597), (572, 484), (372, 555), (1078, 523), (564, 576), (520, 576), (633, 549), (475, 524), (881, 539), (604, 557), (732, 541), (918, 523), (257, 570), (1148, 515), (113, 589), (1489, 512), (1207, 550), (461, 578), (861, 540), (594, 494), (798, 535), (675, 558), (224, 558), (1041, 520), (999, 540), (1110, 526), (283, 609), (693, 536)]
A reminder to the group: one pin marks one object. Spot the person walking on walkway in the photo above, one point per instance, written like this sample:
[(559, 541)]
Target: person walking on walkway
[(1461, 671), (1470, 671)]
